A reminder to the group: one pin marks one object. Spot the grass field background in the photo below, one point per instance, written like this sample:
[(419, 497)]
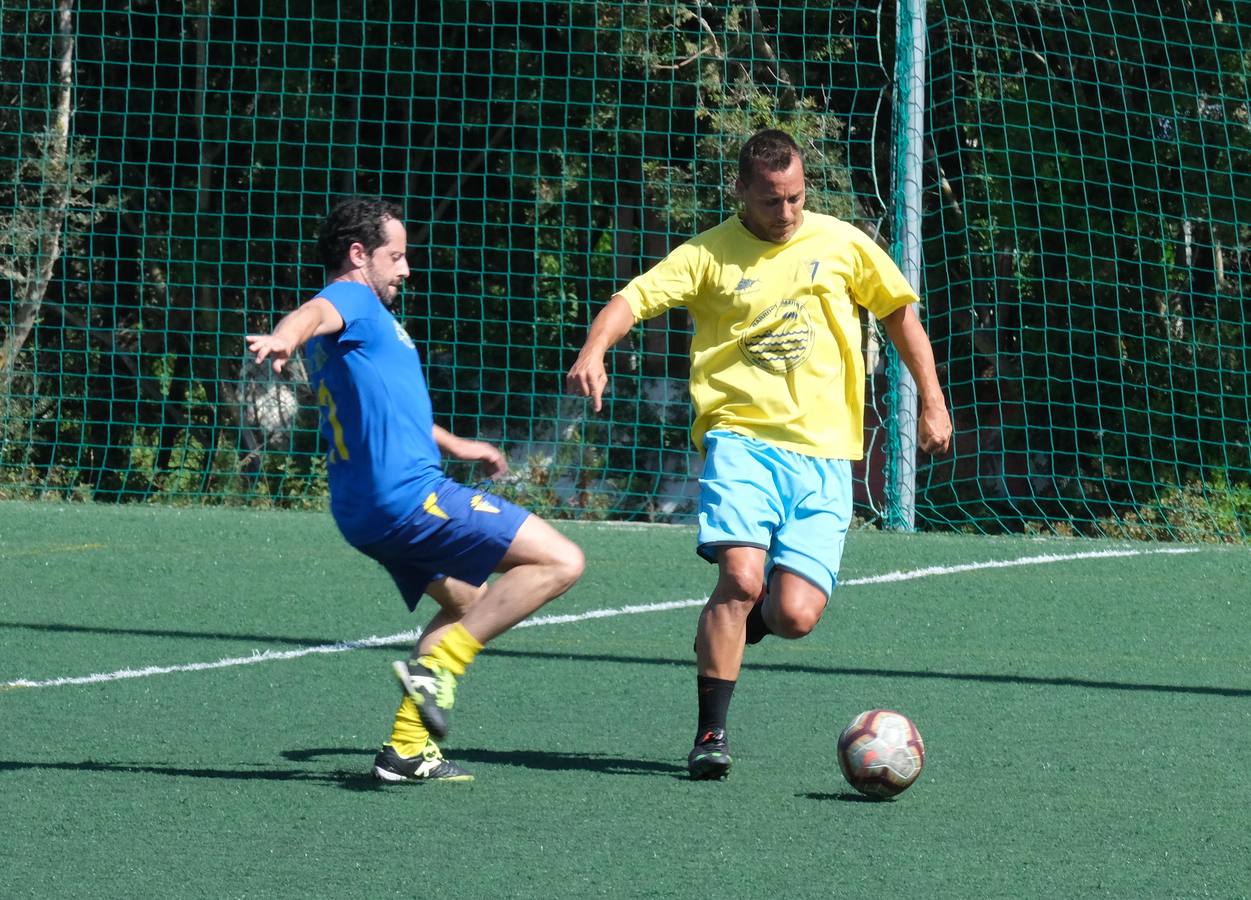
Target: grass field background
[(1087, 722)]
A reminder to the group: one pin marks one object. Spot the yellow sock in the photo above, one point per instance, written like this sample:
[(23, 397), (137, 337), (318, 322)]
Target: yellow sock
[(455, 651), (408, 735)]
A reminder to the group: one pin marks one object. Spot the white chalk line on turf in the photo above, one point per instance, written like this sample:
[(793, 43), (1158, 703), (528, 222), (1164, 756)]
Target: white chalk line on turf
[(1009, 563), (409, 637), (258, 657)]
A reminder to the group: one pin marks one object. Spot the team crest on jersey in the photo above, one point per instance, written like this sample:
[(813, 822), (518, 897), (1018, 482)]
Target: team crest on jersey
[(403, 335), (481, 504), (745, 284), (780, 338)]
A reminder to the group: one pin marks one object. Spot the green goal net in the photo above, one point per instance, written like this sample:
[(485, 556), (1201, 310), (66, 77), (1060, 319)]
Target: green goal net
[(1087, 266), (1084, 224)]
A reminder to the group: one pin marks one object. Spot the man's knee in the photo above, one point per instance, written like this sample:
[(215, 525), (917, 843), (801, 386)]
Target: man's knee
[(741, 587), (568, 562), (455, 596), (537, 543), (795, 619)]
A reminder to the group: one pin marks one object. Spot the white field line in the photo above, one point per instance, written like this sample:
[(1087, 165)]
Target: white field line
[(408, 637), (1009, 563)]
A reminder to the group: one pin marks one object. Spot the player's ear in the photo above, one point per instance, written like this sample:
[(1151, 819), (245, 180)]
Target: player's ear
[(357, 255)]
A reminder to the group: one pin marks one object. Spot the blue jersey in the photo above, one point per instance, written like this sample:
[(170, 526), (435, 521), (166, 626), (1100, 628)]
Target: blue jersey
[(375, 416)]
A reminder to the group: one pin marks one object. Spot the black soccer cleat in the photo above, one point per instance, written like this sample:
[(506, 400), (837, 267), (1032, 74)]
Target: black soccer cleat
[(710, 757), (756, 627), (429, 765)]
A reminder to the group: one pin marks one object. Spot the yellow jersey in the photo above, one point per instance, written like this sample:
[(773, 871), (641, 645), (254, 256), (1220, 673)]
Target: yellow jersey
[(776, 349)]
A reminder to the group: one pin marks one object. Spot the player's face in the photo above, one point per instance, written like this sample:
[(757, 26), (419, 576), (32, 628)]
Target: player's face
[(387, 266), (773, 202)]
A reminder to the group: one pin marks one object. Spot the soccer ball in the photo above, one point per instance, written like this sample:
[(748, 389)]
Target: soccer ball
[(881, 753)]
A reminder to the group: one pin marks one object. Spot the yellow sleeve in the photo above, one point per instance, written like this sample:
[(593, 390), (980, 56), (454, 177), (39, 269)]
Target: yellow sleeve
[(880, 288), (674, 281)]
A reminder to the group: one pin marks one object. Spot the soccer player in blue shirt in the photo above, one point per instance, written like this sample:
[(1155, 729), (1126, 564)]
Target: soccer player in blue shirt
[(777, 382), (388, 493)]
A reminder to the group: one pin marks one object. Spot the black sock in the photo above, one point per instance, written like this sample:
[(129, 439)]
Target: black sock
[(714, 703), (756, 626)]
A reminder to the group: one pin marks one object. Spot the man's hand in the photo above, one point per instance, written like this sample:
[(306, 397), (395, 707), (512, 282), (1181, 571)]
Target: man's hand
[(317, 316), (933, 424), (273, 347), (490, 457), (587, 378), (934, 427)]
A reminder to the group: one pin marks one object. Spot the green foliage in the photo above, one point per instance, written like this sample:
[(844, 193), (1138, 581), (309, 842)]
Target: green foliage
[(1086, 232), (44, 194), (1215, 512), (542, 486), (1093, 245)]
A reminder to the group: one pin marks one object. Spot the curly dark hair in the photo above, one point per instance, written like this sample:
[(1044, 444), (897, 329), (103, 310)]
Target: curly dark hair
[(773, 149), (354, 220)]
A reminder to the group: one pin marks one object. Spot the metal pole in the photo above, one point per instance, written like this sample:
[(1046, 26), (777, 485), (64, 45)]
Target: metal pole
[(909, 122)]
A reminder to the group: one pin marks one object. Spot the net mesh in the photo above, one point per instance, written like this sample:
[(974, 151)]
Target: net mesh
[(162, 174), (1088, 280)]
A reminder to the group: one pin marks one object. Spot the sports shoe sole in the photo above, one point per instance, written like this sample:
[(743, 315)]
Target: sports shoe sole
[(432, 716), (390, 773), (709, 766), (396, 778)]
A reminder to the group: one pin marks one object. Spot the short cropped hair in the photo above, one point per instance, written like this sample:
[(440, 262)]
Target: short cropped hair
[(354, 220), (773, 150)]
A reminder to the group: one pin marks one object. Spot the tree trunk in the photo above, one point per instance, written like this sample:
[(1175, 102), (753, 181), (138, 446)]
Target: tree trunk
[(56, 195)]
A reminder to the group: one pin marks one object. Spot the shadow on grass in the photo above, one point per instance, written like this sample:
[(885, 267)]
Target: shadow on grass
[(847, 671), (541, 760), (125, 768), (842, 797), (61, 628), (853, 672), (359, 778), (553, 761)]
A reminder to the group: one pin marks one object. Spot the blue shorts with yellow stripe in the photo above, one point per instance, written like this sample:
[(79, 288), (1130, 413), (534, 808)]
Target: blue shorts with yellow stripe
[(796, 508), (459, 532)]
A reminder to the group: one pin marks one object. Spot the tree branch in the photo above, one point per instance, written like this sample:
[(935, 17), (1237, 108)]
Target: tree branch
[(57, 186)]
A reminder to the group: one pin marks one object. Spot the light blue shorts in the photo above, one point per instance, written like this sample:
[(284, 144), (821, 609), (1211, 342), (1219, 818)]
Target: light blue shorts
[(796, 508)]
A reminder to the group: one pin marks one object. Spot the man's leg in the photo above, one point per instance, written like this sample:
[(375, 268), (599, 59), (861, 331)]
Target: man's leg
[(409, 735), (719, 640), (411, 754), (719, 652), (807, 548), (454, 598), (791, 608), (539, 565)]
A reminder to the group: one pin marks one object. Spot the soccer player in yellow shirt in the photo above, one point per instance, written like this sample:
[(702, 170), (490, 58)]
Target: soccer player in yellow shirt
[(777, 382)]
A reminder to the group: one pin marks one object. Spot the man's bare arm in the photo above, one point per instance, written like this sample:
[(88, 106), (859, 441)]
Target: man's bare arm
[(909, 337), (316, 317), (490, 457), (587, 377)]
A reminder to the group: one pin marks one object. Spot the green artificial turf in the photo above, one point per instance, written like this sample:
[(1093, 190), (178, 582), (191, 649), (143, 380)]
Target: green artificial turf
[(1086, 723)]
